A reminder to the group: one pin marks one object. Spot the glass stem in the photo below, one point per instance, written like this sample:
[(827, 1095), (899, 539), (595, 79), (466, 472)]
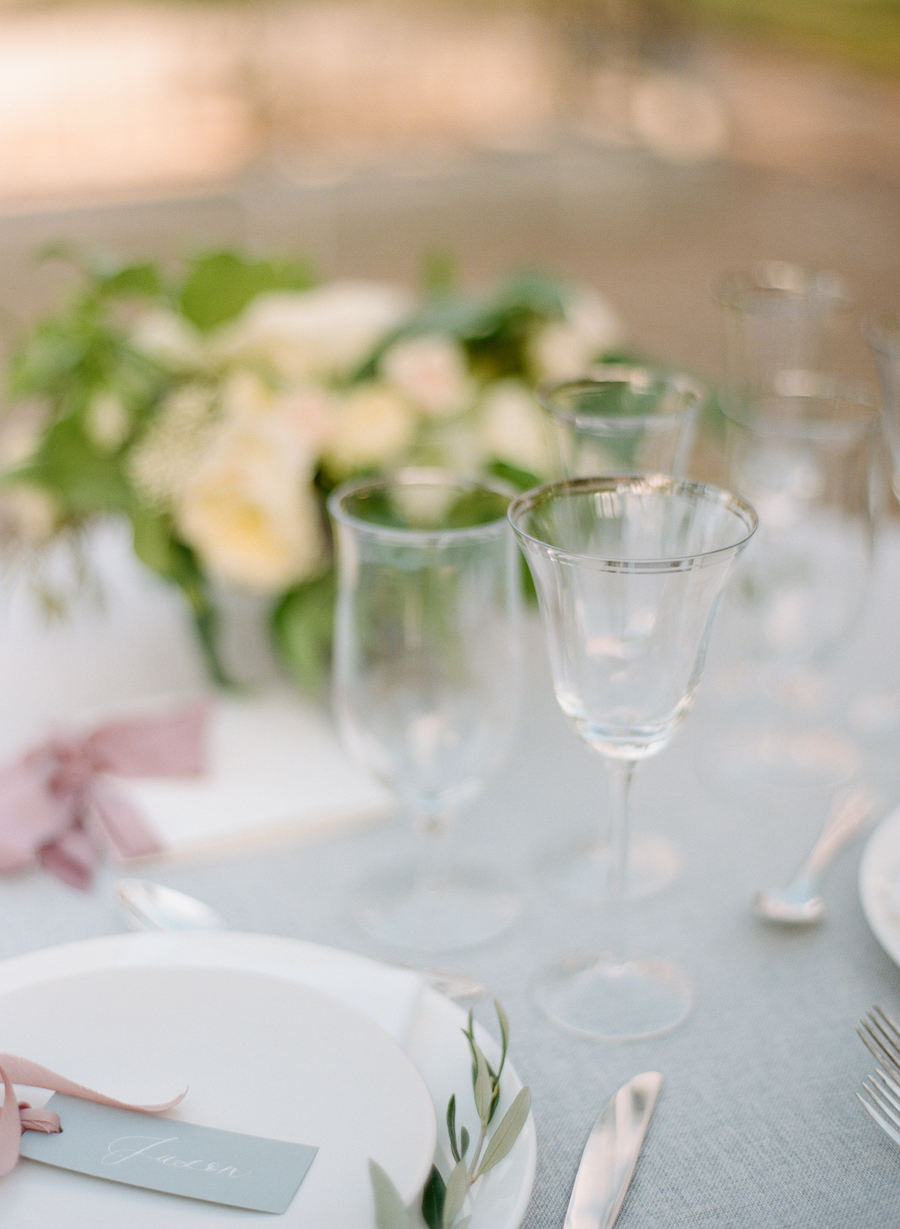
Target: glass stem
[(621, 772), (430, 830)]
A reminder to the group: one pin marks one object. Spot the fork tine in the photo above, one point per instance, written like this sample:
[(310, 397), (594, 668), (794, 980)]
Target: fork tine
[(875, 1113), (889, 1028), (881, 1091), (877, 1032)]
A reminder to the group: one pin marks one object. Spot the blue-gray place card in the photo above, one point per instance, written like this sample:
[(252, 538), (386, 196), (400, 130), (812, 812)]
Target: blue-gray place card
[(179, 1158)]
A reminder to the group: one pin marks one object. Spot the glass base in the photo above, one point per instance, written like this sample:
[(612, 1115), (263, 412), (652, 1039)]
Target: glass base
[(614, 1001), (582, 872), (457, 908)]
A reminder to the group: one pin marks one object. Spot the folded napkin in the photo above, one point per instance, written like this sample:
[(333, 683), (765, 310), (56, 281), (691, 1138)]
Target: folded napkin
[(60, 808)]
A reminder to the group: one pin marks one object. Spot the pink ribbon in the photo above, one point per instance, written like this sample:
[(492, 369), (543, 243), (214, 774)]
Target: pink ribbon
[(16, 1118), (58, 807)]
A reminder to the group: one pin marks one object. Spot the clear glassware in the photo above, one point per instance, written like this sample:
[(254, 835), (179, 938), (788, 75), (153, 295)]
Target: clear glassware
[(426, 682), (801, 446), (624, 420), (629, 572), (787, 332), (883, 336), (620, 419)]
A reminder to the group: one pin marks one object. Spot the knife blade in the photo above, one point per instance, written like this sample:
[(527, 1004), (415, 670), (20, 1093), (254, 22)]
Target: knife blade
[(611, 1154)]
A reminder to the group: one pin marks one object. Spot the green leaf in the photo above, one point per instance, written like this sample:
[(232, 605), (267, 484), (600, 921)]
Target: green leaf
[(483, 1085), (303, 630), (521, 479), (507, 1132), (463, 1141), (451, 1126), (433, 1199), (390, 1212), (455, 1194), (142, 280), (221, 284), (503, 1021)]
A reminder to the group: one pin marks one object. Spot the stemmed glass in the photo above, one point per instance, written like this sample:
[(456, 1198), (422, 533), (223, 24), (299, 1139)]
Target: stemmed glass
[(800, 446), (620, 419), (426, 682), (629, 572)]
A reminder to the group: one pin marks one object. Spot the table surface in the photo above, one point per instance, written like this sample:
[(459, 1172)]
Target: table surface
[(758, 1122)]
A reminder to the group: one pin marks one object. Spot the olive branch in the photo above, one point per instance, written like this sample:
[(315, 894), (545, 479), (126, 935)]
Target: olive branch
[(443, 1200)]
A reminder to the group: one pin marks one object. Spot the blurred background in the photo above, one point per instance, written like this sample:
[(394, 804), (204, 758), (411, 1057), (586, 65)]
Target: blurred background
[(640, 145)]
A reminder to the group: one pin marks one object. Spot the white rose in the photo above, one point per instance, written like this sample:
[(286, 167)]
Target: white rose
[(513, 427), (370, 429), (304, 412), (565, 349), (249, 511), (314, 333), (431, 371), (170, 339)]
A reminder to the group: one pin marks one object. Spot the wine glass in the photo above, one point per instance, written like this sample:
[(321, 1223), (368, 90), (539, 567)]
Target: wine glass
[(426, 682), (801, 447), (620, 420), (629, 572), (787, 332)]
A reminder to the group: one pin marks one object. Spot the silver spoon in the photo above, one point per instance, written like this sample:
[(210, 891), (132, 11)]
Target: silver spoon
[(800, 903), (152, 906)]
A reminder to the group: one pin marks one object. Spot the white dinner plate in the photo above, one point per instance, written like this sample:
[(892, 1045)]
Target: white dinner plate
[(879, 877), (139, 1016)]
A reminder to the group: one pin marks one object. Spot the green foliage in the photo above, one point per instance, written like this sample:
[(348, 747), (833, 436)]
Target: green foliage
[(220, 285), (443, 1201), (302, 624)]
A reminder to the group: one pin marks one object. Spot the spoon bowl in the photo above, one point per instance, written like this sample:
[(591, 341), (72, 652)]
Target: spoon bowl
[(152, 906)]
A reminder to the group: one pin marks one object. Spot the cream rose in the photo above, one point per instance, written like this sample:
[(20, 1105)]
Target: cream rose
[(565, 349), (513, 427), (314, 333), (430, 371), (248, 508), (370, 429)]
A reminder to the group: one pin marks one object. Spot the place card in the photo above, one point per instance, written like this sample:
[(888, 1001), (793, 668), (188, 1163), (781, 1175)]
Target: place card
[(178, 1158)]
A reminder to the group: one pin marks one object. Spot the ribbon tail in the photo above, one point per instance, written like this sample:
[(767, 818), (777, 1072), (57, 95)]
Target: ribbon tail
[(24, 1071), (126, 831), (72, 858), (10, 1127)]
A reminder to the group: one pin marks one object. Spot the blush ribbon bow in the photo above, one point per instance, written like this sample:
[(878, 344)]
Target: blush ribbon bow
[(58, 806), (16, 1117)]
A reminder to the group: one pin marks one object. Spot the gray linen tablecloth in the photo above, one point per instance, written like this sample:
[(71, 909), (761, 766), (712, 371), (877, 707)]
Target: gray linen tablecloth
[(758, 1123)]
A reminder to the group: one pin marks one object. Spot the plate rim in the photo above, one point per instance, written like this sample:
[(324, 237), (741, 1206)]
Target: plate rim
[(885, 839)]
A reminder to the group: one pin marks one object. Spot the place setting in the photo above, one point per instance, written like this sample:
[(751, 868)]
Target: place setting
[(466, 513)]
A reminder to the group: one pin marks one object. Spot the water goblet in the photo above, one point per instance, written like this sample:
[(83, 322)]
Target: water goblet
[(620, 419), (801, 447), (624, 420), (426, 682), (629, 572), (787, 332)]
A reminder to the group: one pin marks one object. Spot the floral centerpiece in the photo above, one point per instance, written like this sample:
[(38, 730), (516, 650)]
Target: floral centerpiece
[(215, 410)]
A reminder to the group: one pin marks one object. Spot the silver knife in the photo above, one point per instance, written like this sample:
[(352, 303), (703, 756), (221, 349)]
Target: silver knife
[(611, 1154)]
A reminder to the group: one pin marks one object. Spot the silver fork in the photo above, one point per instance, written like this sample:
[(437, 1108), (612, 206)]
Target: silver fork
[(880, 1095), (881, 1037)]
